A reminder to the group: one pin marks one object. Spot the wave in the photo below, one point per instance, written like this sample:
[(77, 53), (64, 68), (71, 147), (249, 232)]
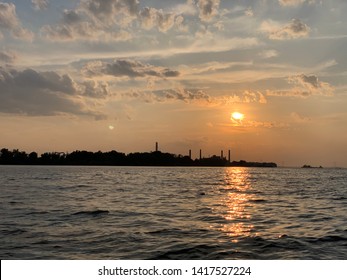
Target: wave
[(93, 213), (200, 251), (13, 231)]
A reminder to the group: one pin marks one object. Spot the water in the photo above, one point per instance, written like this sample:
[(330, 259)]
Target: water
[(52, 212)]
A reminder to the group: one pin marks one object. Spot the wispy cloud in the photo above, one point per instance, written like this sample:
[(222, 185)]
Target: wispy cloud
[(268, 53), (295, 3), (291, 2)]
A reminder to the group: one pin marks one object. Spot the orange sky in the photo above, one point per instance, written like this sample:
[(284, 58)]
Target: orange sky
[(123, 74)]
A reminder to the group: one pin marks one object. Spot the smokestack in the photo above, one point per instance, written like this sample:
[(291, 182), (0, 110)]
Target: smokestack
[(221, 154), (190, 154), (156, 146), (229, 158), (200, 154)]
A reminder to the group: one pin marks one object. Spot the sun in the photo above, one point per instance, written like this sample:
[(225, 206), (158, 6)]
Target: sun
[(237, 116)]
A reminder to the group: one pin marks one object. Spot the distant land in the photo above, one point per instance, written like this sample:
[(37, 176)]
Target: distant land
[(309, 166), (114, 158)]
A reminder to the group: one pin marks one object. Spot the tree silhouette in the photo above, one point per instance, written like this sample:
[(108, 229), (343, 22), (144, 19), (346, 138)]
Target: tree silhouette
[(110, 158)]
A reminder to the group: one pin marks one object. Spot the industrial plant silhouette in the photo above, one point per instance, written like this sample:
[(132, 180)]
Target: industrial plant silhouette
[(114, 158)]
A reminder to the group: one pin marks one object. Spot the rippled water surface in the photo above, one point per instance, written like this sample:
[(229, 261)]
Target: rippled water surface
[(52, 212)]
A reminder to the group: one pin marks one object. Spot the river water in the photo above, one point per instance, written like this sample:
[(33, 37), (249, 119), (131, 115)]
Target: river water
[(71, 212)]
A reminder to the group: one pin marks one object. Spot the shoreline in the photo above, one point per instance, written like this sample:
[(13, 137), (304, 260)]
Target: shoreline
[(114, 158)]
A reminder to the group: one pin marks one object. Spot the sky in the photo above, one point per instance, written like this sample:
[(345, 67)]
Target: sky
[(123, 74)]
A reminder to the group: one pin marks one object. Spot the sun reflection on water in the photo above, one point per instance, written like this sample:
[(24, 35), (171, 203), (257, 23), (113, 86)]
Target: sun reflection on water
[(235, 203)]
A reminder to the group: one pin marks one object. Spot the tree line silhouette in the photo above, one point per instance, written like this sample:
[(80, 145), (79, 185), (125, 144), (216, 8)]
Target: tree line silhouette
[(114, 158)]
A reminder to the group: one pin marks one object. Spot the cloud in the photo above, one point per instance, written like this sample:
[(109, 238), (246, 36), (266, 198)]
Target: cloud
[(10, 22), (242, 97), (188, 8), (291, 2), (295, 29), (299, 118), (208, 9), (295, 3), (40, 4), (169, 95), (94, 89), (8, 56), (29, 92), (194, 96), (109, 21), (305, 86), (127, 68), (208, 42), (249, 12), (256, 124), (268, 53), (151, 17), (311, 85), (75, 26), (109, 12), (94, 21)]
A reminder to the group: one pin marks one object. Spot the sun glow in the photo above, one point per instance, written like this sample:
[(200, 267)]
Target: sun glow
[(237, 116)]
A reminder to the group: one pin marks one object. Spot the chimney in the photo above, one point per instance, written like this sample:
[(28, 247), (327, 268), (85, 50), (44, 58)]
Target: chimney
[(221, 154), (229, 158), (200, 155), (156, 146)]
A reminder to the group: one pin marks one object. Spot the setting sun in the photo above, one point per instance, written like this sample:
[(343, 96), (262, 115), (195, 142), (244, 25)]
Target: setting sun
[(237, 116)]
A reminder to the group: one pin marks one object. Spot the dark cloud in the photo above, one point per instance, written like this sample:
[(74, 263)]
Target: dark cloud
[(40, 4), (71, 17), (196, 96), (29, 92), (151, 17), (166, 95), (186, 95), (309, 80), (208, 9), (127, 68), (46, 80)]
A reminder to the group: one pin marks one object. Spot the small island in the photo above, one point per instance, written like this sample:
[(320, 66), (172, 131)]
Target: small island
[(309, 166), (114, 158)]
